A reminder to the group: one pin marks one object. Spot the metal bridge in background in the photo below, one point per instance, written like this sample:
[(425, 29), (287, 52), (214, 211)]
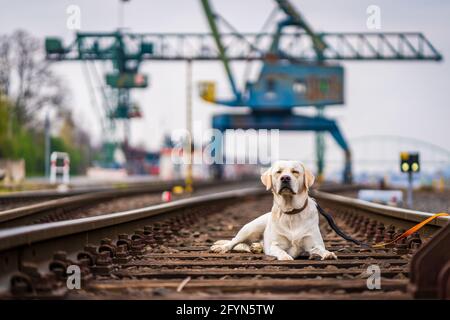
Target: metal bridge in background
[(380, 154)]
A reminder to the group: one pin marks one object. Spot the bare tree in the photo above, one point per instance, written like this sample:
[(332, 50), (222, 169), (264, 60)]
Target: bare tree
[(26, 77), (5, 64)]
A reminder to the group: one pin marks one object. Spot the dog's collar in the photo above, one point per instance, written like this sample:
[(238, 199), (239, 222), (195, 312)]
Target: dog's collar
[(295, 211)]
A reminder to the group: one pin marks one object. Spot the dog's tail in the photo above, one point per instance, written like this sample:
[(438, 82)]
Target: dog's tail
[(336, 229)]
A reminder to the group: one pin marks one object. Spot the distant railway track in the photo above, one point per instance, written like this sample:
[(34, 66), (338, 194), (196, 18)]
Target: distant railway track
[(161, 252), (17, 199), (64, 206)]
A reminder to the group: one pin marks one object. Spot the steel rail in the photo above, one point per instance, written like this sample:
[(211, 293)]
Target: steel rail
[(16, 216), (380, 209), (26, 235), (53, 193)]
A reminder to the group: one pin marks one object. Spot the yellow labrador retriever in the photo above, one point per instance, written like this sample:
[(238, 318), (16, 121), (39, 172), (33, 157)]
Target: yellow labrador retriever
[(292, 227)]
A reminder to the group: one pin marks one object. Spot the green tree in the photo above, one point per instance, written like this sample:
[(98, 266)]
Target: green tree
[(27, 85)]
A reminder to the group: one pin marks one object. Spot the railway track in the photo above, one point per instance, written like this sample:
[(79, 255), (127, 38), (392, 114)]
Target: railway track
[(18, 199), (162, 252), (86, 202), (14, 200)]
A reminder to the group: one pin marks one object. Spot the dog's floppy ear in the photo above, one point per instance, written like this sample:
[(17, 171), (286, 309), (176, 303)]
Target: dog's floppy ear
[(308, 178), (266, 179)]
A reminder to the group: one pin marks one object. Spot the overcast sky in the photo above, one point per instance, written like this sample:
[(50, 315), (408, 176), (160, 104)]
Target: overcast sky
[(393, 98)]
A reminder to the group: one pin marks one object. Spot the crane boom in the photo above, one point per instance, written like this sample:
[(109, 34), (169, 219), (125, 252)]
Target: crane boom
[(295, 18), (211, 17), (341, 46)]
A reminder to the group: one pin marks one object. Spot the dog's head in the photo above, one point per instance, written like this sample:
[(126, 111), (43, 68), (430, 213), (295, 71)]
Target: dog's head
[(287, 177)]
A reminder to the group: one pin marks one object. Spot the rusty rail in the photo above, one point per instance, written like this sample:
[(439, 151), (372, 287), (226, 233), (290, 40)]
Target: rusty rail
[(24, 215), (163, 250), (430, 266), (410, 216)]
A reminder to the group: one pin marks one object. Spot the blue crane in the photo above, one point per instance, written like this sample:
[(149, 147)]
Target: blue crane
[(287, 81)]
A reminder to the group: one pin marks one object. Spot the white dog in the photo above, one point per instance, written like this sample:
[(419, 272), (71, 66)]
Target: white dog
[(292, 227)]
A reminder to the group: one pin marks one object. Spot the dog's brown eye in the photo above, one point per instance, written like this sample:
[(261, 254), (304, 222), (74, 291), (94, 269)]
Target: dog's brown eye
[(295, 172), (279, 171)]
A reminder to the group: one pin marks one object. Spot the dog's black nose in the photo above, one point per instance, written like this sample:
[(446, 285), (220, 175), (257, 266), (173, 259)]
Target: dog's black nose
[(285, 179)]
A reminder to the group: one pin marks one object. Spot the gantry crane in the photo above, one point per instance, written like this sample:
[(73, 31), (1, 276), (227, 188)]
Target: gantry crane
[(299, 68), (113, 47), (126, 58), (288, 80)]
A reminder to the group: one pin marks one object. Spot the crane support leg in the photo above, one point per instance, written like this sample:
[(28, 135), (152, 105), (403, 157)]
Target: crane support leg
[(339, 138), (320, 155), (286, 122), (320, 147)]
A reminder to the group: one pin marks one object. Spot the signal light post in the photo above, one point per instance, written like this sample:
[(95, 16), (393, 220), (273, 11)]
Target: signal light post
[(410, 163)]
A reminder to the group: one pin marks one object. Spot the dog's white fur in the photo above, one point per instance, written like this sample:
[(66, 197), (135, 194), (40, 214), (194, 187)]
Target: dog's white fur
[(284, 236)]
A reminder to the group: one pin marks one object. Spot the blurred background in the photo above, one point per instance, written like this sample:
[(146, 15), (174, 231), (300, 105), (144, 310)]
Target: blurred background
[(48, 105)]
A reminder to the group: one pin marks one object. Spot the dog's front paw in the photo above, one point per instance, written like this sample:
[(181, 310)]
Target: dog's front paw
[(242, 248), (329, 256), (221, 246), (256, 247), (314, 256), (285, 257)]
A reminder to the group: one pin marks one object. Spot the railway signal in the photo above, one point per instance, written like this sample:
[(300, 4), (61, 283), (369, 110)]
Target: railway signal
[(409, 163)]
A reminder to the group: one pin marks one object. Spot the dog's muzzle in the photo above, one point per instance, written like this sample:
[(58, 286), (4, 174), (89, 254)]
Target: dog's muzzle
[(285, 185)]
